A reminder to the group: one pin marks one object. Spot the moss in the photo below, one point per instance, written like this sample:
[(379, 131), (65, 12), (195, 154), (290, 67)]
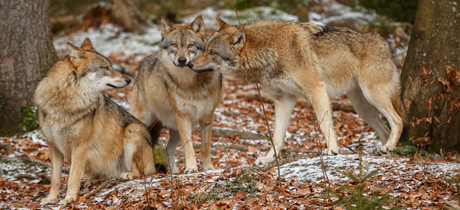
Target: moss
[(160, 157), (433, 148)]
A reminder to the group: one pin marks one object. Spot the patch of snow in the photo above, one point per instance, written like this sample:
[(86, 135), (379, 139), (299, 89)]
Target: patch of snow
[(36, 135), (309, 170), (109, 38), (257, 13), (339, 12)]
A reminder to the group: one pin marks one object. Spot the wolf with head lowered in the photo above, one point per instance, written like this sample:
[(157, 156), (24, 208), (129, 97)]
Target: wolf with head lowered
[(168, 92), (292, 59), (95, 135)]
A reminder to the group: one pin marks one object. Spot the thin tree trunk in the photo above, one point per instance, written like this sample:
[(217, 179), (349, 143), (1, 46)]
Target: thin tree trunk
[(435, 42), (26, 54)]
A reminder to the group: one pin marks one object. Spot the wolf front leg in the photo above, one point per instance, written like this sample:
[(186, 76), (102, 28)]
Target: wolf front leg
[(77, 169), (206, 130), (56, 168), (184, 125), (322, 105), (283, 110)]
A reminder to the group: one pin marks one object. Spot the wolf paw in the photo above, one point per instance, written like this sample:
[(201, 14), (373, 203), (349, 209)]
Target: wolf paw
[(330, 152), (208, 167), (386, 149), (191, 170), (48, 200), (128, 175), (264, 160), (66, 200), (88, 183)]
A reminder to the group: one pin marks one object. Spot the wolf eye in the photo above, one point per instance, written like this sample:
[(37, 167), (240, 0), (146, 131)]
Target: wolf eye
[(174, 45), (191, 45), (213, 53), (106, 68)]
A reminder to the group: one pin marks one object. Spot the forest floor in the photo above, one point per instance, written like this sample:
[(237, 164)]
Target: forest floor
[(414, 181)]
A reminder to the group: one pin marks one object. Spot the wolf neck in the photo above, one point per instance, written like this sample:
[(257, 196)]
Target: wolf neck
[(67, 100), (257, 64)]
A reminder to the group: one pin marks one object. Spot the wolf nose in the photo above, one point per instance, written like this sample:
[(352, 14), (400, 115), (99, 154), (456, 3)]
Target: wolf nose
[(190, 65), (128, 80), (182, 60)]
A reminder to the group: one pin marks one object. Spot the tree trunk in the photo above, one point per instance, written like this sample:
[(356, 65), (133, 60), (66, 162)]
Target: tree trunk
[(435, 43), (26, 54)]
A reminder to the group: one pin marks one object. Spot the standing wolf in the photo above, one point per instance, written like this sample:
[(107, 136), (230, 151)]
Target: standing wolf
[(167, 91), (91, 132), (291, 59)]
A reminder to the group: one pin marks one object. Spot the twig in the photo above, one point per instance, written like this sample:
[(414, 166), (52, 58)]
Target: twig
[(354, 152), (98, 189), (271, 165)]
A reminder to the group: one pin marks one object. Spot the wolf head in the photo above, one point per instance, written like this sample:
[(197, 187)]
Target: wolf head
[(93, 69), (181, 42), (222, 51)]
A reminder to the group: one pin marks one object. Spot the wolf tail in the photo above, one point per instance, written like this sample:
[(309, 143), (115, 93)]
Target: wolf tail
[(397, 101)]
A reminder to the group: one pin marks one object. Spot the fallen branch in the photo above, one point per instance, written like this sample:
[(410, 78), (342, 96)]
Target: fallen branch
[(241, 134), (273, 164), (7, 147), (450, 206), (98, 189), (336, 105), (33, 161)]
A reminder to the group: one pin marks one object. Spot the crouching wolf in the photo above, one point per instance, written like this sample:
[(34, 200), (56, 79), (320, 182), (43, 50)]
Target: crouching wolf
[(167, 91), (292, 59), (96, 136)]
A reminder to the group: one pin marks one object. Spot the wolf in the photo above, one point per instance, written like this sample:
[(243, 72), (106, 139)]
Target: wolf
[(168, 92), (95, 135), (293, 59)]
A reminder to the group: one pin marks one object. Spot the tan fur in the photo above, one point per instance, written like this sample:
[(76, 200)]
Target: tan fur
[(169, 92), (80, 124), (291, 59)]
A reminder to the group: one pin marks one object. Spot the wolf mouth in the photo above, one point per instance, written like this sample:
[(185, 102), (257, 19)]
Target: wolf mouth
[(113, 86)]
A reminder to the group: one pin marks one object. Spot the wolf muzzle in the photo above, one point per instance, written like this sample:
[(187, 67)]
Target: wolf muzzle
[(190, 65)]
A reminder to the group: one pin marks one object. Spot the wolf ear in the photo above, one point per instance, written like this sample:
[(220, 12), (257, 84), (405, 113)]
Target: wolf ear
[(198, 26), (222, 24), (237, 40), (166, 27), (87, 45), (74, 52)]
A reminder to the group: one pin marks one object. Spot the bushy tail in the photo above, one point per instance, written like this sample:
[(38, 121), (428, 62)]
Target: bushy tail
[(397, 101), (398, 105)]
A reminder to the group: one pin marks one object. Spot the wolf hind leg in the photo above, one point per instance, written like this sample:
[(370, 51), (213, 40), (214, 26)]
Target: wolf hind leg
[(283, 111), (174, 140), (368, 112), (206, 130), (380, 97)]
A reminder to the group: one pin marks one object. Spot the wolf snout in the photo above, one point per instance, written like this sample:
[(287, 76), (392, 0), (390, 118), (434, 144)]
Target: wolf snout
[(127, 80), (182, 60)]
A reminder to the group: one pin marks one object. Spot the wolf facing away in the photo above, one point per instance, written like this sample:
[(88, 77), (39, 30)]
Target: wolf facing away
[(292, 59), (167, 91), (95, 135)]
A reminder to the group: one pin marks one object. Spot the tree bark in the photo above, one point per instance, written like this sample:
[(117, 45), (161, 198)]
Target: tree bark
[(435, 42), (26, 54)]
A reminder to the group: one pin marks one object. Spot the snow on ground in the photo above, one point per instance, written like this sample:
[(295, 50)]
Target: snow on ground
[(109, 38), (309, 170), (339, 12), (258, 13)]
